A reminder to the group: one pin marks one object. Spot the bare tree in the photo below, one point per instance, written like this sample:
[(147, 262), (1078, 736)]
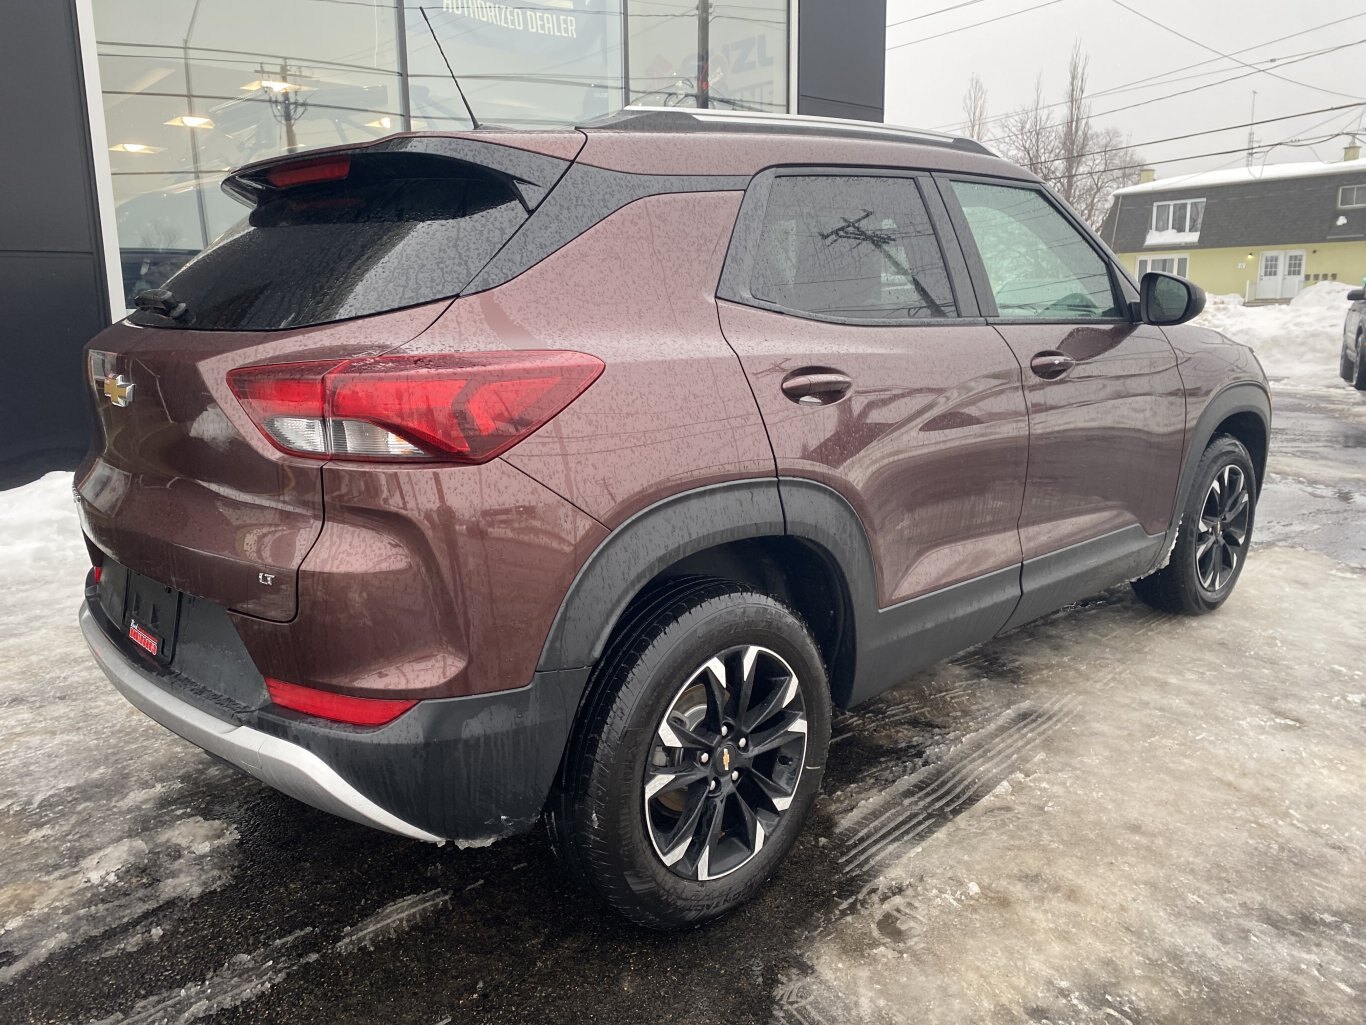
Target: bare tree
[(1061, 143), (975, 109), (1030, 136), (1075, 142)]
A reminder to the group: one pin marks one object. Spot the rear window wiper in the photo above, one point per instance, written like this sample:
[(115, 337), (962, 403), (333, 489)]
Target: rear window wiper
[(162, 302)]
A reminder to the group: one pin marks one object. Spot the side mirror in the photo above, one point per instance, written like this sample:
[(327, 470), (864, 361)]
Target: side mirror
[(1166, 300), (1357, 295)]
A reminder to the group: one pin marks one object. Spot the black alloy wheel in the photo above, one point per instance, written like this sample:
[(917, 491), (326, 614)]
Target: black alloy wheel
[(697, 755), (1225, 522), (1210, 549), (726, 763)]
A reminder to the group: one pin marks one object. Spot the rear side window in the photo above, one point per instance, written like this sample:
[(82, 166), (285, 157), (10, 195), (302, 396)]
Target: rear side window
[(398, 231), (1038, 264), (850, 247)]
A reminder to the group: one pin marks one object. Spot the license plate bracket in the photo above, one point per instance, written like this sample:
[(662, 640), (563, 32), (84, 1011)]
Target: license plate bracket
[(151, 617)]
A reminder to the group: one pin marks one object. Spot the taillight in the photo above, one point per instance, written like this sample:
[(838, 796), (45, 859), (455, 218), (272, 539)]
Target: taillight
[(464, 408), (337, 707)]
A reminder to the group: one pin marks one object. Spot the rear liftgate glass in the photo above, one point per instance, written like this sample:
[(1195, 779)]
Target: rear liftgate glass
[(341, 236)]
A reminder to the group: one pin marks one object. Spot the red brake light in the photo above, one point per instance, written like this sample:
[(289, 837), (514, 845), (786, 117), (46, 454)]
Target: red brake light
[(337, 707), (308, 172), (465, 408), (98, 573)]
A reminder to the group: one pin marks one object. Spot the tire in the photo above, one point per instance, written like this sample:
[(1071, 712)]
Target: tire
[(1214, 537), (1346, 368), (652, 720), (1358, 378)]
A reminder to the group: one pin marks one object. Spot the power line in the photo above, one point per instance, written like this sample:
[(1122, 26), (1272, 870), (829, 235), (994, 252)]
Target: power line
[(1175, 182), (1155, 80), (1290, 141), (975, 24), (1235, 78), (1211, 131), (1205, 46), (931, 14)]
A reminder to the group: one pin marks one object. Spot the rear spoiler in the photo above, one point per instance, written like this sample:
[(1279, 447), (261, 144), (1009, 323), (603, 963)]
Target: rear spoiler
[(520, 158)]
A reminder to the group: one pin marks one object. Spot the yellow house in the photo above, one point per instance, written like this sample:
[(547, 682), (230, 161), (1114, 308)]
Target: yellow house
[(1263, 233)]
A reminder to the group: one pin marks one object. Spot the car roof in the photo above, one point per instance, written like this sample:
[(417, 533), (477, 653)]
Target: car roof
[(678, 140)]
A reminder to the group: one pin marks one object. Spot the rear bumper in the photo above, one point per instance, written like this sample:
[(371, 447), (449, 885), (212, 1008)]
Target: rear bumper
[(464, 769)]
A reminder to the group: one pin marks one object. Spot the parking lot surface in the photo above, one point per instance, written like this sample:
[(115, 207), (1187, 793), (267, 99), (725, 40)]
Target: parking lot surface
[(1111, 815)]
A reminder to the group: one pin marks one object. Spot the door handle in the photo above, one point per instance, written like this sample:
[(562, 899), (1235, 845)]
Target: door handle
[(812, 386), (1052, 365)]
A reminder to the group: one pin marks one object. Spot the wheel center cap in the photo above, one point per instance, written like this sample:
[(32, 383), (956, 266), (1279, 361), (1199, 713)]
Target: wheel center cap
[(727, 758)]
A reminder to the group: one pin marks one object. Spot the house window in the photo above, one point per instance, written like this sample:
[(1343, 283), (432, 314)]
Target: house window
[(1352, 196), (1294, 265), (1178, 265), (1184, 217)]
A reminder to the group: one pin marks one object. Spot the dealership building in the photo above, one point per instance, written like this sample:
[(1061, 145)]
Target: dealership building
[(133, 111)]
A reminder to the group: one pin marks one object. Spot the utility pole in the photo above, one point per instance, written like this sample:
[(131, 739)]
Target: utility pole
[(704, 53), (1252, 132)]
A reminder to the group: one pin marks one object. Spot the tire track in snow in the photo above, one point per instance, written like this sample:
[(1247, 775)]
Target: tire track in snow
[(902, 816), (940, 791), (392, 919)]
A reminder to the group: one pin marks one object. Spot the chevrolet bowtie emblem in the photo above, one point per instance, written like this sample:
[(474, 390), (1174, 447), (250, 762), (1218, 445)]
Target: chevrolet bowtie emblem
[(118, 390)]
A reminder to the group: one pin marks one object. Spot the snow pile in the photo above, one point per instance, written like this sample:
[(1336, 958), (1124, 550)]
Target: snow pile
[(1300, 341), (40, 531)]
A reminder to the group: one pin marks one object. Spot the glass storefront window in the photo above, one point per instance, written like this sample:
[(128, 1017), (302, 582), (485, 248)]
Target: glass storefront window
[(196, 88), (745, 48), (535, 63)]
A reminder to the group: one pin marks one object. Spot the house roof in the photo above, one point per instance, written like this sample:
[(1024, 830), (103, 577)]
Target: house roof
[(1278, 205), (1246, 175)]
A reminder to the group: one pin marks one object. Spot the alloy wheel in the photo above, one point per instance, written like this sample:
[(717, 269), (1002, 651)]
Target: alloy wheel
[(1222, 537), (726, 762)]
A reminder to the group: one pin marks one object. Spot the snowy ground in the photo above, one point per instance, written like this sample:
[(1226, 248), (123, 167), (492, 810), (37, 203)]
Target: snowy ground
[(1111, 817)]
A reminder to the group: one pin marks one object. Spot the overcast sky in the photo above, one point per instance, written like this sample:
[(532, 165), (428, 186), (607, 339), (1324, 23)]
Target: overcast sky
[(927, 79)]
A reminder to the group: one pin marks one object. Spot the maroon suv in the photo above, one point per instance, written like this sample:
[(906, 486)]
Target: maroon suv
[(481, 478)]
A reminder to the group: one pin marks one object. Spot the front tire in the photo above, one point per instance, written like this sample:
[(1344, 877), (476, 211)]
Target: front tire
[(699, 755), (1358, 377), (1214, 536)]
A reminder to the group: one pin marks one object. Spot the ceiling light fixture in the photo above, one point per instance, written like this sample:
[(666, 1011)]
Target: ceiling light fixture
[(384, 122), (135, 147), (191, 121)]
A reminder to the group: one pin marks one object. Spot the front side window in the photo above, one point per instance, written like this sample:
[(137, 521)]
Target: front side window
[(1038, 264), (851, 247), (1352, 196)]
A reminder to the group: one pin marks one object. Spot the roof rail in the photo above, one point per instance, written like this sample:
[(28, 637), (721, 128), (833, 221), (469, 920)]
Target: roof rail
[(764, 119)]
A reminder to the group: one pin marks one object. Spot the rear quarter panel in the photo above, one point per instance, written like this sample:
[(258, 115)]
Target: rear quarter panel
[(672, 410)]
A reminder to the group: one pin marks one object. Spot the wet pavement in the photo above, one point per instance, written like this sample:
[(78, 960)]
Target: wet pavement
[(1111, 816)]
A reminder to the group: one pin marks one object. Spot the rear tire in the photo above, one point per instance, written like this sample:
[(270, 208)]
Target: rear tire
[(699, 753), (1214, 536), (1346, 368), (1358, 377)]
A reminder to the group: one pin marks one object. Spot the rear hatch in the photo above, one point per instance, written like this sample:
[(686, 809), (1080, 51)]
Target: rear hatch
[(342, 254)]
